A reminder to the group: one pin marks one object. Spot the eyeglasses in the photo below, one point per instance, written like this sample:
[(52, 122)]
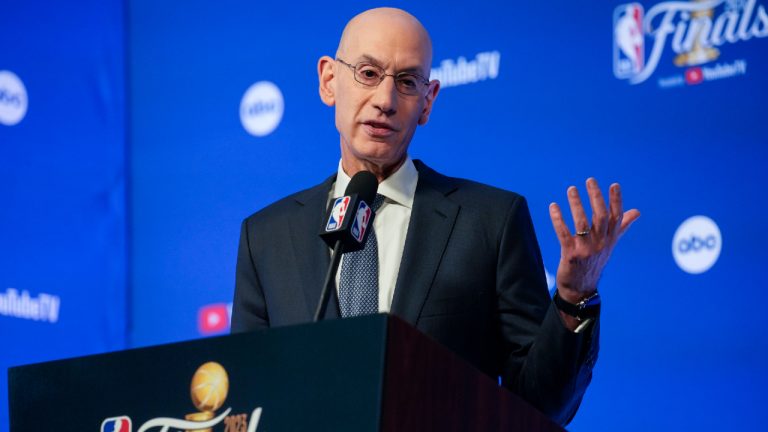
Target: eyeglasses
[(370, 75)]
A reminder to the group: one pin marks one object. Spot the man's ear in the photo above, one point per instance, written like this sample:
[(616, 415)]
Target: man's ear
[(434, 88), (326, 74)]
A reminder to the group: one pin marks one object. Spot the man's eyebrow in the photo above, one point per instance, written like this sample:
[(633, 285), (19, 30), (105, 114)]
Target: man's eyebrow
[(369, 58), (373, 60)]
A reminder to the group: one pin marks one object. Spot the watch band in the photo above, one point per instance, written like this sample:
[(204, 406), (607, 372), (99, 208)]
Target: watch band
[(585, 309)]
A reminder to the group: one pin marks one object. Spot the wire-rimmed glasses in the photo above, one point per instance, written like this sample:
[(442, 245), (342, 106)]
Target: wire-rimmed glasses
[(371, 75)]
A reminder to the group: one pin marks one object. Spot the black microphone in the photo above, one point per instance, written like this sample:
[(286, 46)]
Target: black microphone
[(348, 222)]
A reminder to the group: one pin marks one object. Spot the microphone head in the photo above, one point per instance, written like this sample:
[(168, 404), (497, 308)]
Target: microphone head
[(348, 217), (365, 185)]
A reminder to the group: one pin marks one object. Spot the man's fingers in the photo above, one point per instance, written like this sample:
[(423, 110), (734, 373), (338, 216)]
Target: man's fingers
[(580, 222), (617, 208), (629, 218), (561, 229), (599, 211)]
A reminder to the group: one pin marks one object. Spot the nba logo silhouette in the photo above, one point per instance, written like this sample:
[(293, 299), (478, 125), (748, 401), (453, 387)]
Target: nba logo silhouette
[(337, 213), (360, 224), (628, 40), (116, 424)]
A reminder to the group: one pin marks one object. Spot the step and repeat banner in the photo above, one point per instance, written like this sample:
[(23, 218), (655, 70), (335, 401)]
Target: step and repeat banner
[(223, 117), (63, 289)]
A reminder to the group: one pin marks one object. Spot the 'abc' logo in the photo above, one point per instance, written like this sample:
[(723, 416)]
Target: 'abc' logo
[(261, 108), (696, 245), (13, 98)]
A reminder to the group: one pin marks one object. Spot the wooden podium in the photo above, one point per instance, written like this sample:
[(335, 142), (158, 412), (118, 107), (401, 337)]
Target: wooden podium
[(373, 373)]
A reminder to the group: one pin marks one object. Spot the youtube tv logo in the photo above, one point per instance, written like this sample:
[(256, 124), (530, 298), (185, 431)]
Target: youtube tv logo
[(213, 318)]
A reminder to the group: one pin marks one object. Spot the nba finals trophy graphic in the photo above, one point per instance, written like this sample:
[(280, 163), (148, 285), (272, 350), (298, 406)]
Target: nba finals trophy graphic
[(698, 54), (209, 388)]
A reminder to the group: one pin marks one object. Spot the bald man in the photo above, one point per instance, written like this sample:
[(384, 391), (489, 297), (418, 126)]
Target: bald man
[(457, 259)]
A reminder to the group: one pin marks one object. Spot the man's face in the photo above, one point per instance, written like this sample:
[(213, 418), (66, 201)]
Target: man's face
[(376, 124)]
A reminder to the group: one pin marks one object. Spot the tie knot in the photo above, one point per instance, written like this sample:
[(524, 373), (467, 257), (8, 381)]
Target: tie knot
[(377, 202)]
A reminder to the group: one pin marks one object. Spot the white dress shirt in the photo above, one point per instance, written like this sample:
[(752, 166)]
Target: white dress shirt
[(391, 224)]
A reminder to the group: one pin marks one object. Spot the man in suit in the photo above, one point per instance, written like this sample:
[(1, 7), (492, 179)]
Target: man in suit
[(457, 259)]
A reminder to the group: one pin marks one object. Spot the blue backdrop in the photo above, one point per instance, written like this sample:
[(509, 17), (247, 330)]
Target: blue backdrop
[(63, 286), (223, 118)]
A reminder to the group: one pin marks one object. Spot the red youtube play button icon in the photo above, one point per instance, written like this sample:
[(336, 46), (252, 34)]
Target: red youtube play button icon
[(213, 318), (694, 76)]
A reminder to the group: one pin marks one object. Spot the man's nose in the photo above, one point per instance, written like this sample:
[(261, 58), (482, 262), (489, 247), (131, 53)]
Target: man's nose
[(385, 96)]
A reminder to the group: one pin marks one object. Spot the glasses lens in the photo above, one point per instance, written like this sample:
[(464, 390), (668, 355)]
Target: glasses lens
[(368, 74), (408, 83)]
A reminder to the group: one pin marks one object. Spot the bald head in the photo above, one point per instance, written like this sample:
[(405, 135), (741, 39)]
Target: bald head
[(386, 26)]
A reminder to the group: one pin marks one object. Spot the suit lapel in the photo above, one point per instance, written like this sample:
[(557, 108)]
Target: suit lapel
[(310, 252), (432, 220)]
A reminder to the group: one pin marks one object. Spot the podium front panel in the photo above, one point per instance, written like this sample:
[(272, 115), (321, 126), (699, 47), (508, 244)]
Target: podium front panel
[(327, 377)]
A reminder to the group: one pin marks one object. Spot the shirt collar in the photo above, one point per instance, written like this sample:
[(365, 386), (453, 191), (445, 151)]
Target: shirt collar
[(400, 187)]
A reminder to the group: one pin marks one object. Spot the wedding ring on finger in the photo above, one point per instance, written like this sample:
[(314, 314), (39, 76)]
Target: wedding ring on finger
[(582, 233)]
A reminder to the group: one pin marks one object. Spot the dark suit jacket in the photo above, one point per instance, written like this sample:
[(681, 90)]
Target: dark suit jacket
[(471, 277)]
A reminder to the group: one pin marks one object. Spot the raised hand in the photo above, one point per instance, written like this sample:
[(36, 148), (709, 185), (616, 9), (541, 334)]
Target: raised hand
[(584, 255)]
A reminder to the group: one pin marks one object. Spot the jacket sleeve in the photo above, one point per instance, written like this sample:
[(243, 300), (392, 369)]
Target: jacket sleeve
[(249, 308), (543, 362)]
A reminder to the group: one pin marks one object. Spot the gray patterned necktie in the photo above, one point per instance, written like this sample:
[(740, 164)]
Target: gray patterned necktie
[(359, 280)]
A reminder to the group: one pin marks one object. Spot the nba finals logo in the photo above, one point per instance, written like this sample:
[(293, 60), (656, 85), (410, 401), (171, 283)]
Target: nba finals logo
[(208, 390), (697, 32)]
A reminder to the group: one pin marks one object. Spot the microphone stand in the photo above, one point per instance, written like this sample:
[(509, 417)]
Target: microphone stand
[(329, 280)]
